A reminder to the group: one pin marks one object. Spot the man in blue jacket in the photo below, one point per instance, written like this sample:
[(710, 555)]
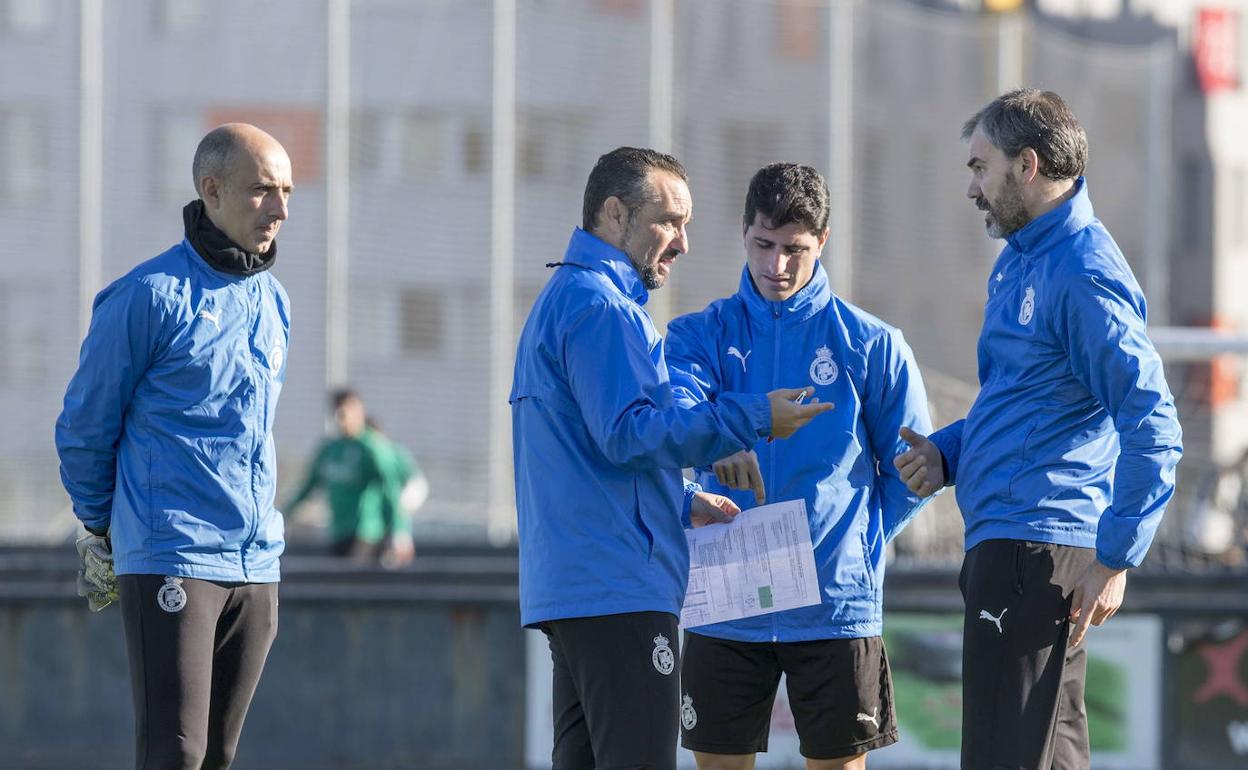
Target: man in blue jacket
[(785, 324), (1066, 460), (598, 445), (167, 453)]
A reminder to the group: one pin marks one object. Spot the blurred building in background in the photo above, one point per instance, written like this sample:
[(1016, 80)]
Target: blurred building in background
[(440, 150)]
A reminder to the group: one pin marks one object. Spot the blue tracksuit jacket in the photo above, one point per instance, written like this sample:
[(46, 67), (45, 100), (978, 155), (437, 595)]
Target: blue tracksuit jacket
[(841, 464), (1073, 438), (599, 444), (166, 436)]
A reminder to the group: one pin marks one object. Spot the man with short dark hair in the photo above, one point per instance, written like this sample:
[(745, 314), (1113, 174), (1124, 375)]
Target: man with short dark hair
[(1066, 461), (599, 443), (786, 324), (167, 453)]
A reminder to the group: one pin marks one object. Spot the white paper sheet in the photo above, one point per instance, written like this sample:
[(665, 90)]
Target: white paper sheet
[(761, 562)]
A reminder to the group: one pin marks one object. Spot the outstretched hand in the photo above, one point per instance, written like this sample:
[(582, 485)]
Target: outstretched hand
[(920, 466), (789, 414)]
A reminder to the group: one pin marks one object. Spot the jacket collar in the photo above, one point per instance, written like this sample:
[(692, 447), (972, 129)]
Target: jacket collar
[(592, 253), (808, 301), (1042, 233), (216, 248)]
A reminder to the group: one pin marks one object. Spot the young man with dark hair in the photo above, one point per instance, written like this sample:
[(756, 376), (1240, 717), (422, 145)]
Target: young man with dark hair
[(785, 324), (599, 443), (1066, 460)]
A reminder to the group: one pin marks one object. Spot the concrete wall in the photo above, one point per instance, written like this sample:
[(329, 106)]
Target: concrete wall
[(370, 670), (426, 667)]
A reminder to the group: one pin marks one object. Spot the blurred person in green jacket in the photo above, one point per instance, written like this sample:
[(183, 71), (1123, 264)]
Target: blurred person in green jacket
[(363, 474)]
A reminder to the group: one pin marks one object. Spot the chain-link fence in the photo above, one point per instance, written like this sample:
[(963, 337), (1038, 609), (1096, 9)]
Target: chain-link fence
[(440, 150)]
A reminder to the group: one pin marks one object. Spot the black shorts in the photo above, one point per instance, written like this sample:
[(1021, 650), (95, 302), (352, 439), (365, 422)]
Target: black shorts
[(1022, 686), (615, 691), (840, 691)]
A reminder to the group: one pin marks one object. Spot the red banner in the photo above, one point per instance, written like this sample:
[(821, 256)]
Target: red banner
[(1215, 49)]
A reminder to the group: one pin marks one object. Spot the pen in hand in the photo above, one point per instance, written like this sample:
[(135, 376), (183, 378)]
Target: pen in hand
[(800, 398)]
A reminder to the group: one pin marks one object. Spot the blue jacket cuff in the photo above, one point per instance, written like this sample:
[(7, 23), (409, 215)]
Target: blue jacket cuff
[(686, 517), (946, 443)]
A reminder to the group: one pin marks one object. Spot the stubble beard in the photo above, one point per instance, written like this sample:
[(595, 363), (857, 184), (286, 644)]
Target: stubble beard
[(1008, 214), (649, 272), (650, 277)]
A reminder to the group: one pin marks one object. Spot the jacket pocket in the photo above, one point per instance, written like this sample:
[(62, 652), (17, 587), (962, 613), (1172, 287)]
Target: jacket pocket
[(639, 518), (868, 573), (1014, 488), (851, 562)]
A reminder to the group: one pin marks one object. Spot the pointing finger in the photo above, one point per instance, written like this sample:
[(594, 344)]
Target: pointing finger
[(910, 437)]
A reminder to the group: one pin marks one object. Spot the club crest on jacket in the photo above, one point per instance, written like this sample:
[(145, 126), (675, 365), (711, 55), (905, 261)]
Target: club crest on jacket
[(823, 370), (1029, 306)]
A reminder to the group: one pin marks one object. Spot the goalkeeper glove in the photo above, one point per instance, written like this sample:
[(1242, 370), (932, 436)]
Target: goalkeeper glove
[(96, 579)]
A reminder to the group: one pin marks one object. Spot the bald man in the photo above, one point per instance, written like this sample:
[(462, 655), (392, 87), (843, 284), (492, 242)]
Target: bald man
[(166, 451)]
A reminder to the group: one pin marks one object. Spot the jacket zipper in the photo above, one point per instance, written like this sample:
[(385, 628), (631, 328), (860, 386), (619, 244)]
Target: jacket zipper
[(258, 413), (771, 448)]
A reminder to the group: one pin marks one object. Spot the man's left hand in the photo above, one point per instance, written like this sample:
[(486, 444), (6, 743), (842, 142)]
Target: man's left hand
[(96, 579), (707, 508), (1097, 596)]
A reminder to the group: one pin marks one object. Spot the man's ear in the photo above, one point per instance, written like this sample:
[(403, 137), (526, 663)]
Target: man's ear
[(210, 191), (613, 218), (823, 237), (616, 211), (1028, 165)]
